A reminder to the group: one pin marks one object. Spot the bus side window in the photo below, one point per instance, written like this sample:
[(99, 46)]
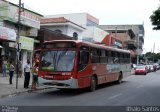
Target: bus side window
[(95, 55), (116, 58), (103, 56), (83, 59), (113, 56), (128, 58), (106, 54), (121, 58), (110, 59), (125, 58)]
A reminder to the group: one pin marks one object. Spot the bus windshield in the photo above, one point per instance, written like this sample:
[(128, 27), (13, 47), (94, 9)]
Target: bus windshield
[(57, 60)]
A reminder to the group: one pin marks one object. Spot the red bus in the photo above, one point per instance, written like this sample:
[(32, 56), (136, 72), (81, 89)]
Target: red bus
[(77, 64)]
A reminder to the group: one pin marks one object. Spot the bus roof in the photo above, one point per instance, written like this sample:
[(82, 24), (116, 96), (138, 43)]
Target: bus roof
[(90, 44)]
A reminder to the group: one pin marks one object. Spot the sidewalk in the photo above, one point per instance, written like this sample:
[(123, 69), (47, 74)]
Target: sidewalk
[(8, 90)]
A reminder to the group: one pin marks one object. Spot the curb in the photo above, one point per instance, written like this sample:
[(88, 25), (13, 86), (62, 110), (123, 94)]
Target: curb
[(23, 92)]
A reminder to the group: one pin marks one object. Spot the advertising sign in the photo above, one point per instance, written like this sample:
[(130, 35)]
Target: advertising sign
[(7, 34), (26, 43), (94, 34), (27, 17), (99, 34)]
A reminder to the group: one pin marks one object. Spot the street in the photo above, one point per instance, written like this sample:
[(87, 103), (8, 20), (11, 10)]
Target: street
[(135, 90)]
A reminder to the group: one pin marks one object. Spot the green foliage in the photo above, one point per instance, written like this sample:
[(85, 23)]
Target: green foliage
[(155, 19), (153, 56), (157, 56)]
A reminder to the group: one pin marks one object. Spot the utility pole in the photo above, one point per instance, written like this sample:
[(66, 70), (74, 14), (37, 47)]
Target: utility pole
[(18, 36), (138, 49), (153, 51)]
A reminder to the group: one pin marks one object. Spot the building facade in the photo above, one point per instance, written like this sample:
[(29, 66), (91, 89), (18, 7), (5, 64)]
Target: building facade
[(132, 36), (29, 25), (82, 19), (91, 33), (63, 26)]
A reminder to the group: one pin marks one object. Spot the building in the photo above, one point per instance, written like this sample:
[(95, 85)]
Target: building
[(82, 19), (91, 32), (132, 36), (63, 26), (29, 25), (47, 35)]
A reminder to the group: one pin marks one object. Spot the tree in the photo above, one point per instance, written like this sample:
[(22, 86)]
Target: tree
[(152, 56), (155, 19)]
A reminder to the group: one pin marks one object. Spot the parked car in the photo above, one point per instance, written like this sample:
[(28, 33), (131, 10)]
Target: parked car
[(157, 66), (141, 69), (148, 68), (151, 68)]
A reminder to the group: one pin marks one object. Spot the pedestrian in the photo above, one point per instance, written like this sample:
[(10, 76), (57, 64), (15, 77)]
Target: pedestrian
[(4, 67), (35, 72), (27, 70), (11, 72), (35, 76)]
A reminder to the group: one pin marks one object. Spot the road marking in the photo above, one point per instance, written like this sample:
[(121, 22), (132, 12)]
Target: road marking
[(112, 97)]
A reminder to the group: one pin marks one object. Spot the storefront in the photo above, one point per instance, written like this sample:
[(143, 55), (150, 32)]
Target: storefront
[(29, 28), (26, 49), (7, 35)]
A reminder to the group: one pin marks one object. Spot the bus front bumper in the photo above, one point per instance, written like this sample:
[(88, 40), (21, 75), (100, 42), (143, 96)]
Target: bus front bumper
[(70, 83)]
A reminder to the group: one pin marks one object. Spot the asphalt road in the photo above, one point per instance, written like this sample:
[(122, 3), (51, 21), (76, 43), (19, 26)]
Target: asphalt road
[(135, 90)]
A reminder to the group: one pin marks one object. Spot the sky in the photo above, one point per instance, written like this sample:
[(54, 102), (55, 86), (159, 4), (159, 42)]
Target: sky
[(109, 12)]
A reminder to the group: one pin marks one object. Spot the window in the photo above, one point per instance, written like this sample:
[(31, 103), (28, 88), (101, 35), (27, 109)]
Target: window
[(128, 58), (125, 58), (116, 58), (110, 58), (95, 55), (58, 60), (83, 59), (103, 56), (121, 58)]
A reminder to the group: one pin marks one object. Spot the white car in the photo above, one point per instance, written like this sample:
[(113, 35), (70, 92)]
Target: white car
[(151, 68)]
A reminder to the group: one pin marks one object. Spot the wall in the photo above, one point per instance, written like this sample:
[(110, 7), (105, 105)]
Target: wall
[(78, 18), (94, 34)]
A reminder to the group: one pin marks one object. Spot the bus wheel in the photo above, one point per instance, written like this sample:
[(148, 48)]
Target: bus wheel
[(120, 78), (93, 84)]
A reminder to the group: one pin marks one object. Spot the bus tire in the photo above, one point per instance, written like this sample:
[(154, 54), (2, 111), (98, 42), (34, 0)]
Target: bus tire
[(93, 84), (120, 78)]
